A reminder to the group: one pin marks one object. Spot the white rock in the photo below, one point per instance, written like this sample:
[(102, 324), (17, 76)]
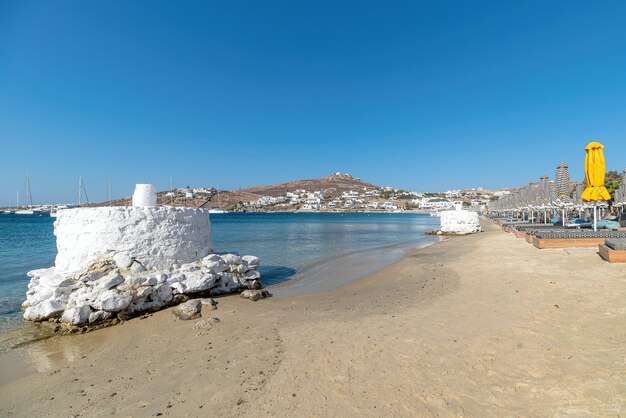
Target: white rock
[(175, 278), (111, 301), (137, 267), (197, 281), (144, 292), (40, 294), (122, 260), (242, 268), (77, 315), (231, 281), (252, 275), (99, 316), (251, 260), (134, 280), (216, 266), (41, 272), (212, 257), (109, 281), (53, 279), (232, 259), (164, 293), (178, 288), (44, 310), (162, 278)]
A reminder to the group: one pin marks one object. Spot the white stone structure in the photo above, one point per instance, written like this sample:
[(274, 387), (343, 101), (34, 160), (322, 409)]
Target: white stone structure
[(144, 195), (459, 222), (157, 237), (118, 262)]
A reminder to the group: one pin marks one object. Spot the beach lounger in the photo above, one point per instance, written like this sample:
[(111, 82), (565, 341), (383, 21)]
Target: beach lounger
[(613, 250), (529, 233), (575, 238)]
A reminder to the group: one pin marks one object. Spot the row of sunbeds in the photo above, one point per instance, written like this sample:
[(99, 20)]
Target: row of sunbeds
[(611, 243)]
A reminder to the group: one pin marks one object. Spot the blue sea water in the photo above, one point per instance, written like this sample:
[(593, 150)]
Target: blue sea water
[(290, 245)]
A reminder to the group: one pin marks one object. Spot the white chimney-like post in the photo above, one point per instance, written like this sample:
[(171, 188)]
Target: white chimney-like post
[(144, 195)]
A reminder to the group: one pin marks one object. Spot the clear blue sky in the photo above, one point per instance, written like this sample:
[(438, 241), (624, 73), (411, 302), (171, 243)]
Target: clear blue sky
[(420, 95)]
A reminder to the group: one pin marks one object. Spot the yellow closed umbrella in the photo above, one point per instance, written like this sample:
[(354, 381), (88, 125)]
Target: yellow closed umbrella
[(595, 168)]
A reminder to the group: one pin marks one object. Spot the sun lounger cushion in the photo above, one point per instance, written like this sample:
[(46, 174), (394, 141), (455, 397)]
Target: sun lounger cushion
[(608, 224), (616, 244), (580, 234)]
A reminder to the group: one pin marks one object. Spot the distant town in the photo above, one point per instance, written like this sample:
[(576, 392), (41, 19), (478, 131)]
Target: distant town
[(339, 192)]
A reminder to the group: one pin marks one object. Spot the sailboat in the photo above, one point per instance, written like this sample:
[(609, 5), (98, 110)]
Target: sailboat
[(8, 210), (219, 205), (27, 210)]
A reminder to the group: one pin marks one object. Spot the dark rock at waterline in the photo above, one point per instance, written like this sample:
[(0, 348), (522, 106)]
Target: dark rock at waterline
[(255, 295)]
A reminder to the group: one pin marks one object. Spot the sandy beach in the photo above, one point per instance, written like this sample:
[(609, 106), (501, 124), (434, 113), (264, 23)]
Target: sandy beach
[(481, 325)]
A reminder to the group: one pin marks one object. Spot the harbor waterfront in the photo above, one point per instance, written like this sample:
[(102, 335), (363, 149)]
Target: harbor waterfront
[(292, 246)]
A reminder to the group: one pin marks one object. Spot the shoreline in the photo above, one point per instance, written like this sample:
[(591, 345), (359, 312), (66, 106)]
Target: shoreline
[(28, 333), (476, 325), (13, 323), (336, 272)]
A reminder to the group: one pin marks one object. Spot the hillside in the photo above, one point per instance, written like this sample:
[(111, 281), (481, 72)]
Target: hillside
[(330, 186)]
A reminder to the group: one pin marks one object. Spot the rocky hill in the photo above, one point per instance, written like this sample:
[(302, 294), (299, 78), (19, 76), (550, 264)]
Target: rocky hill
[(330, 186)]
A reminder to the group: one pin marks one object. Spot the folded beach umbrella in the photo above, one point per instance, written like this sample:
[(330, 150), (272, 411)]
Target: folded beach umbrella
[(595, 168)]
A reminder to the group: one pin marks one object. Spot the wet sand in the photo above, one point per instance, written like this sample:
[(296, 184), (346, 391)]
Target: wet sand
[(341, 271), (484, 325)]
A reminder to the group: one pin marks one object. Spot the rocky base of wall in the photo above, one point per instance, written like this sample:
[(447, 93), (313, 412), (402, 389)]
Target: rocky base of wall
[(115, 287)]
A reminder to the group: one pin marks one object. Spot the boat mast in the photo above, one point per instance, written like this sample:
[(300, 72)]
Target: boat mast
[(29, 196), (81, 188), (219, 204), (171, 191), (110, 199)]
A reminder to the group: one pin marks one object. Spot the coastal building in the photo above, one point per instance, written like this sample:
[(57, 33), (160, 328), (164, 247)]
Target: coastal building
[(189, 194), (372, 193), (438, 203), (389, 206)]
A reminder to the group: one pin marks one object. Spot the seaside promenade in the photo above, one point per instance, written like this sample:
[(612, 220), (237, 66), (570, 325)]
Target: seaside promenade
[(481, 325)]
